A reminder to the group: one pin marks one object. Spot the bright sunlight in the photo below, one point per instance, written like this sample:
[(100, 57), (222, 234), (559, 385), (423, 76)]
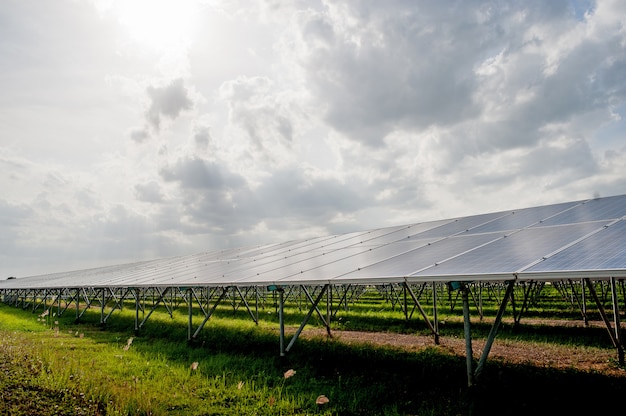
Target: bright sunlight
[(160, 25)]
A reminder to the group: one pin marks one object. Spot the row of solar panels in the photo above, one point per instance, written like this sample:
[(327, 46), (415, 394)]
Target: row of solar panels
[(576, 239)]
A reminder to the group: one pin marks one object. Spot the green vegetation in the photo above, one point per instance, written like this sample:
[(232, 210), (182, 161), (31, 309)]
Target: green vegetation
[(54, 366)]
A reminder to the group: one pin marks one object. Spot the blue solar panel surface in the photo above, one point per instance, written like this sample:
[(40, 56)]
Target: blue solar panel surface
[(577, 238)]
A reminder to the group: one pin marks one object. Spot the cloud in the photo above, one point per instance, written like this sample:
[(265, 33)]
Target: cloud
[(169, 101), (295, 193), (485, 78), (264, 112), (13, 214), (373, 69), (198, 173), (149, 192), (213, 199), (284, 120), (202, 137), (139, 135)]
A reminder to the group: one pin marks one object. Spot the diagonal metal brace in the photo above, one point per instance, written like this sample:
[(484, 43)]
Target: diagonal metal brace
[(423, 312), (494, 330), (308, 315), (245, 302), (156, 304), (206, 318)]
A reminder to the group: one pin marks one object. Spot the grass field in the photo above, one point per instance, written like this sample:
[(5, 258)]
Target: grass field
[(54, 366)]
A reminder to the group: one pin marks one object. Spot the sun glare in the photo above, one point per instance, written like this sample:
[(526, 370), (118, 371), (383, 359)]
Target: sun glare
[(158, 24)]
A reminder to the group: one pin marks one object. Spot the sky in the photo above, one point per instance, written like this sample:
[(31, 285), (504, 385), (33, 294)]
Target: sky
[(134, 130)]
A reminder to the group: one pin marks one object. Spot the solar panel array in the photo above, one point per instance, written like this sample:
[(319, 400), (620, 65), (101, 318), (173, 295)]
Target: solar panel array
[(577, 239)]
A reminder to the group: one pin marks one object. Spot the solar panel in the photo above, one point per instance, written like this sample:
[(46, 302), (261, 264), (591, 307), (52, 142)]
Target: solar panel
[(425, 254), (605, 250), (587, 236), (510, 253), (523, 218), (593, 210), (460, 225)]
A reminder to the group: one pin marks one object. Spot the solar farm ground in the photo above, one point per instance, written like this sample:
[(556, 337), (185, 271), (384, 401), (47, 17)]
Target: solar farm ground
[(552, 364)]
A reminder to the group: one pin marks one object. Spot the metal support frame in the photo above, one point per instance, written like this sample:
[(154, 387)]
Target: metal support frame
[(579, 301), (307, 317), (155, 304), (616, 319), (407, 289), (190, 295), (527, 289), (137, 307), (494, 330), (615, 335), (469, 355), (147, 300), (474, 374), (119, 302), (344, 299), (281, 320), (208, 315), (245, 302)]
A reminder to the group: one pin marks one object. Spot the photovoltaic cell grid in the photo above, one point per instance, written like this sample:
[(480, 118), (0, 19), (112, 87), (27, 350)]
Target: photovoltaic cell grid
[(584, 238)]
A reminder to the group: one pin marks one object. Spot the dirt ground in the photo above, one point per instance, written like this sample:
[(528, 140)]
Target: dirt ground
[(602, 361)]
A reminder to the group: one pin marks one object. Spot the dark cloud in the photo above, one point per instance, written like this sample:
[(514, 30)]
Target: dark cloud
[(405, 66), (202, 137), (286, 198), (212, 199), (139, 135), (292, 193), (168, 101), (376, 68), (197, 173), (149, 192)]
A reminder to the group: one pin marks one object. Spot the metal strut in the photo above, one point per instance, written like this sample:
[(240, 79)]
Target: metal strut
[(494, 330), (422, 311), (206, 318), (308, 316), (615, 335), (472, 375)]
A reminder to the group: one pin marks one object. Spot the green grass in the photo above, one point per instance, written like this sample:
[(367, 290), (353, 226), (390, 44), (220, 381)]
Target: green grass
[(239, 371), (52, 365)]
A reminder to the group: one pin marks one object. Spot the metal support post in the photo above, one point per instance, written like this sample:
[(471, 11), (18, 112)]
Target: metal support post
[(584, 301), (494, 330), (616, 343), (616, 320), (469, 355), (103, 303), (136, 292), (77, 304), (435, 318), (308, 316), (329, 307), (256, 304), (208, 315), (281, 320), (190, 310), (408, 289)]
